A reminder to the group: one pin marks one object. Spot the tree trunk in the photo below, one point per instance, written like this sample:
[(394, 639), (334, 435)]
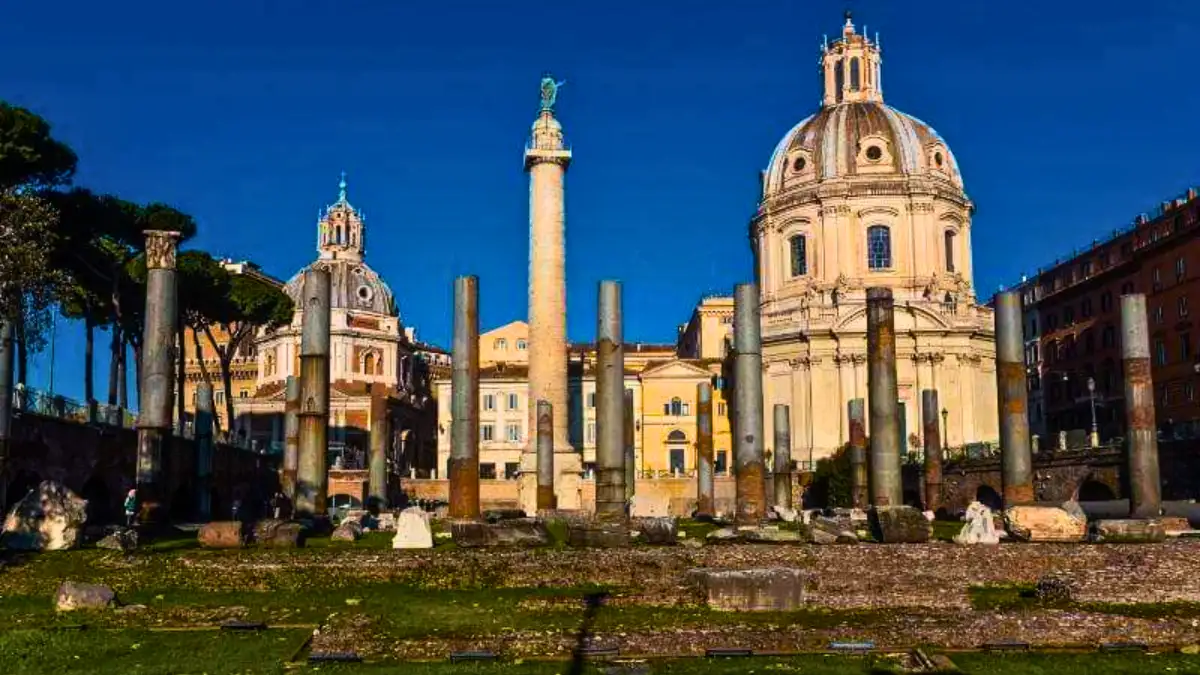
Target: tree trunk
[(22, 349), (180, 402), (227, 382), (123, 378), (204, 374), (114, 363), (89, 357), (137, 371)]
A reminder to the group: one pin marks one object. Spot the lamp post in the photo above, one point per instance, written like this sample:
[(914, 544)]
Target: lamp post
[(945, 429), (1095, 437)]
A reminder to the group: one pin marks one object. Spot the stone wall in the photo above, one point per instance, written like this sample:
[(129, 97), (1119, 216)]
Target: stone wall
[(677, 495), (98, 462)]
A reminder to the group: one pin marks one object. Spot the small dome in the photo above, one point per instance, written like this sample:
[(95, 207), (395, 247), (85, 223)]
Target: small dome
[(354, 286), (858, 139)]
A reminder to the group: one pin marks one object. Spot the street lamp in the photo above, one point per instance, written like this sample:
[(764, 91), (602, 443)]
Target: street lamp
[(1091, 385), (945, 429)]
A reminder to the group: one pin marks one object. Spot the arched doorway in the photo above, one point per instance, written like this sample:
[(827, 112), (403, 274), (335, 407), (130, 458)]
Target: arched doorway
[(677, 452), (988, 496), (1092, 490)]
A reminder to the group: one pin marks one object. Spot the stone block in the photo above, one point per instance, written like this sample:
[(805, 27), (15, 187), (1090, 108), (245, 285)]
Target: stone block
[(980, 527), (72, 595), (1073, 508), (772, 589), (524, 532), (222, 534), (657, 531), (826, 530), (413, 530), (1173, 525), (1044, 524), (598, 534), (349, 530), (272, 533), (785, 514), (769, 535), (899, 525), (725, 535), (1128, 531), (48, 518), (385, 522), (121, 539), (497, 515)]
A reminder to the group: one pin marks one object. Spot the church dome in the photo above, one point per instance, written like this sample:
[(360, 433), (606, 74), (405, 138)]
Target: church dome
[(855, 135), (353, 286), (859, 139), (341, 243)]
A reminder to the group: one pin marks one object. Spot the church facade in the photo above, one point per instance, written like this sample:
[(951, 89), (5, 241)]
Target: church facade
[(857, 195)]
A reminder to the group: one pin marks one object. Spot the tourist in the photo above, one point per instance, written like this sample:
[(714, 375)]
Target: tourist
[(130, 507)]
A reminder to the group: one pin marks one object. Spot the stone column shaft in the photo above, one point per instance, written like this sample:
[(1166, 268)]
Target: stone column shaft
[(933, 449), (782, 473), (464, 401), (857, 414), (886, 489), (748, 393), (610, 403), (1145, 487), (705, 505), (312, 472), (630, 448), (204, 450), (156, 384), (1016, 458), (291, 435), (545, 456), (6, 400), (380, 433)]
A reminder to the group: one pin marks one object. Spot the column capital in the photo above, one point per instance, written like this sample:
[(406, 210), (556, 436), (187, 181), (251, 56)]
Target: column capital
[(160, 249)]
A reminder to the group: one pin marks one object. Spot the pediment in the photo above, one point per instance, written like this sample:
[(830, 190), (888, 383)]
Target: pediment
[(676, 369), (906, 318)]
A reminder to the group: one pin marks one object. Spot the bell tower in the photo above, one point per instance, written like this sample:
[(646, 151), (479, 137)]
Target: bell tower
[(850, 66), (340, 229)]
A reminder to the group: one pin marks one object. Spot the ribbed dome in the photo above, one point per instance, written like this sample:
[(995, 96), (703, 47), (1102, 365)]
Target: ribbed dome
[(353, 286), (858, 139)]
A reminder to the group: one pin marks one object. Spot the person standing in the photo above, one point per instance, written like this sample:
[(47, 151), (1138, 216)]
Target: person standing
[(131, 507)]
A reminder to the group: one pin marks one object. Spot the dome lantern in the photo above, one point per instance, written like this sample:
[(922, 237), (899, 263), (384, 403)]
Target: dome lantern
[(851, 68)]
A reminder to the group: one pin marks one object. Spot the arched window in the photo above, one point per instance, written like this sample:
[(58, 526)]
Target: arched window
[(676, 406), (854, 75), (839, 78), (270, 363), (879, 247), (369, 364), (949, 250), (799, 255), (677, 436), (950, 304)]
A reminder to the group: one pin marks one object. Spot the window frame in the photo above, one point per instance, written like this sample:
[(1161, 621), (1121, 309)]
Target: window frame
[(875, 261)]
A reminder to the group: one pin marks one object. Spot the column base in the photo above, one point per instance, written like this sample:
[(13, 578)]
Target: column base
[(151, 509)]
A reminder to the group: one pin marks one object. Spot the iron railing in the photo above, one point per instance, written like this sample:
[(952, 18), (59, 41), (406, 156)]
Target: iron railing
[(27, 400)]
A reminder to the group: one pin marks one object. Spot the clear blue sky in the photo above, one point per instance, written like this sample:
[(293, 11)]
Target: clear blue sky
[(1067, 118)]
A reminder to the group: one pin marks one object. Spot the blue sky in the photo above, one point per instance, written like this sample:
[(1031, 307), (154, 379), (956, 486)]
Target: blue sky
[(1067, 118)]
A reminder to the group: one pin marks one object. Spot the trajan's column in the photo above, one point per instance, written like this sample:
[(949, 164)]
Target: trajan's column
[(546, 160)]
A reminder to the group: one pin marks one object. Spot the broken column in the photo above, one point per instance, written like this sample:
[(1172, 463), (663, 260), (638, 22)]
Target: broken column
[(545, 456), (380, 433), (748, 405), (610, 403), (312, 476), (156, 383), (291, 435), (464, 401), (933, 449), (704, 451), (1016, 458), (782, 465), (203, 434), (630, 450), (1145, 496), (6, 399), (859, 498), (883, 399)]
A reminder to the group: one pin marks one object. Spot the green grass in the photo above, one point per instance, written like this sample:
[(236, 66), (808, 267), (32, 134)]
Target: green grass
[(1021, 597), (944, 530), (218, 653)]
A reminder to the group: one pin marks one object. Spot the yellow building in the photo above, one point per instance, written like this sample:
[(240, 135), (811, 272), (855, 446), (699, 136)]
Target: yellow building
[(664, 399), (861, 195)]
